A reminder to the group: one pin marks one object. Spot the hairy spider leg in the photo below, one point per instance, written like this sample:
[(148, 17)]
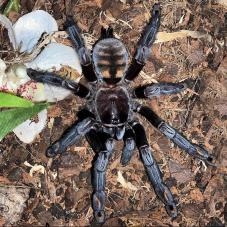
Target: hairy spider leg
[(129, 146), (53, 79), (144, 44), (84, 55), (153, 170), (155, 90), (95, 140), (103, 147), (70, 137), (198, 151)]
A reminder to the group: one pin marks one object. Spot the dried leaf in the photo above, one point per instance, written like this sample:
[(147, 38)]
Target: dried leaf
[(196, 195), (222, 2), (37, 169), (222, 69), (179, 172), (13, 203), (99, 3), (169, 36), (4, 180), (124, 183)]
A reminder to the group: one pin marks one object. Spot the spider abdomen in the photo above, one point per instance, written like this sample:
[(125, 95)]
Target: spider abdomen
[(110, 59)]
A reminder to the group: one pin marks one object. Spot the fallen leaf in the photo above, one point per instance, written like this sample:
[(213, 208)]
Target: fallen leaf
[(222, 2), (222, 69), (169, 36), (124, 183), (179, 172), (196, 195), (37, 169), (98, 3), (4, 180), (12, 202)]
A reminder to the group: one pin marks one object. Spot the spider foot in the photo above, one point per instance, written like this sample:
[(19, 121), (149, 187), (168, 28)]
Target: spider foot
[(53, 150), (171, 210), (83, 53), (99, 180), (99, 216), (98, 206), (69, 22), (198, 151), (201, 153), (168, 200), (155, 177), (156, 9), (35, 75)]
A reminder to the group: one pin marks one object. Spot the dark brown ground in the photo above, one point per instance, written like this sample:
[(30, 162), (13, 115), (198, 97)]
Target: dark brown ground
[(61, 196)]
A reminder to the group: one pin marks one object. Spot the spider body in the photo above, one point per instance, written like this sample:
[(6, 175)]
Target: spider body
[(110, 59), (111, 110)]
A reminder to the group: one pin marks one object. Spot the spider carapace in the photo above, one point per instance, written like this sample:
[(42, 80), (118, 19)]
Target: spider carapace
[(111, 111)]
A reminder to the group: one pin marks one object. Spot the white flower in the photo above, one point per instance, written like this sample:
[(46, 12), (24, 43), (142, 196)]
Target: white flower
[(24, 35)]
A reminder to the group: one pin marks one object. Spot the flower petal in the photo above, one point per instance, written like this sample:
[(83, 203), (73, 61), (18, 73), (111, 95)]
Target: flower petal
[(54, 94), (54, 56), (15, 76), (29, 28), (28, 130)]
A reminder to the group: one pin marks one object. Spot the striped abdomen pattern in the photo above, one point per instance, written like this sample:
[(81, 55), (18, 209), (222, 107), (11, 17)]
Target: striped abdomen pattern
[(110, 58)]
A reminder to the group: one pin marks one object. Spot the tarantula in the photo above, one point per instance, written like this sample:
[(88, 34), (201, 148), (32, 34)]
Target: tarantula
[(110, 110)]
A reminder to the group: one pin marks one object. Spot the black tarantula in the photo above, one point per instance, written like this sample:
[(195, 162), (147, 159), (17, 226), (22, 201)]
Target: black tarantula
[(109, 113)]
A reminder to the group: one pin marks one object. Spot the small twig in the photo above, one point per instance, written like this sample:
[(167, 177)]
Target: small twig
[(190, 107)]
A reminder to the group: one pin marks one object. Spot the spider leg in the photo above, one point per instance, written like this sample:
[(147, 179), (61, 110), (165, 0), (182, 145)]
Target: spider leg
[(143, 46), (153, 170), (103, 145), (162, 88), (129, 146), (198, 151), (84, 55), (95, 140), (70, 137), (54, 79)]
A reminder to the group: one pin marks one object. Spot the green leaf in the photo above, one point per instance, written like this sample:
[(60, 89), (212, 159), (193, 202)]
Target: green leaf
[(13, 5), (10, 119), (8, 100)]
